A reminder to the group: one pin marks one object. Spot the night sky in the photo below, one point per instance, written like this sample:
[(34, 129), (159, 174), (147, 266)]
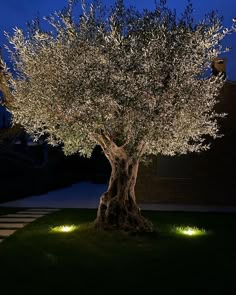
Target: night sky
[(15, 13)]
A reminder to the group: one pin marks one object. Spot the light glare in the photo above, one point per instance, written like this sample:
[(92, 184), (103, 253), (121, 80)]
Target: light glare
[(64, 228), (189, 231)]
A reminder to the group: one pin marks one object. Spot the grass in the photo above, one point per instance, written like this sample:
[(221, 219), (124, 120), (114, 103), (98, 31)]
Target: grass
[(37, 260)]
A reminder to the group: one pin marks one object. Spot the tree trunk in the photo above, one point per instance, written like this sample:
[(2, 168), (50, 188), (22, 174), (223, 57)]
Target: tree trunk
[(118, 208)]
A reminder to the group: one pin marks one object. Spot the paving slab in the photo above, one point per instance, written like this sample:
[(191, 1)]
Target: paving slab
[(30, 213), (6, 232), (14, 220), (24, 215), (43, 209), (12, 225)]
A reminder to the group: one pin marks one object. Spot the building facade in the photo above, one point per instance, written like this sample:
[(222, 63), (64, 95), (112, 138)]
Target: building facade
[(205, 178)]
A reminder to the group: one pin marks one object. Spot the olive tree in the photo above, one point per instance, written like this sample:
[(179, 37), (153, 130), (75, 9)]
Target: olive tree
[(135, 83)]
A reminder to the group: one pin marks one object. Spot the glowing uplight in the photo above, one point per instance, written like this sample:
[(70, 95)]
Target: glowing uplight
[(64, 228), (190, 231)]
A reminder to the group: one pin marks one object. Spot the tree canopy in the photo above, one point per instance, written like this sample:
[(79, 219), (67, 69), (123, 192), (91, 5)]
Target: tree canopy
[(138, 79)]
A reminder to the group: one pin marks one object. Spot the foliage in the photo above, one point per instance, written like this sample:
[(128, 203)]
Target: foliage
[(138, 80), (5, 92), (6, 99)]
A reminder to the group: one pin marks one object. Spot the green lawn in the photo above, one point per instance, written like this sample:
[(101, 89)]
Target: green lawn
[(38, 261)]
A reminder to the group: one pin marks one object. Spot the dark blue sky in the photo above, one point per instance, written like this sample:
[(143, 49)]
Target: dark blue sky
[(17, 12)]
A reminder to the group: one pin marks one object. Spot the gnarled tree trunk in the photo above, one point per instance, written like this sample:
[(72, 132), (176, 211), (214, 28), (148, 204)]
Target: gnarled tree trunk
[(118, 208)]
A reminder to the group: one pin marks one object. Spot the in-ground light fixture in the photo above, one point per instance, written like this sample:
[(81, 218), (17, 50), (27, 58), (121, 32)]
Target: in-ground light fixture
[(190, 231), (64, 228)]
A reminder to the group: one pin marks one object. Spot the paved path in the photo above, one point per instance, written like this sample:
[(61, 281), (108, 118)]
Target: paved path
[(188, 208), (80, 195), (86, 195), (9, 223)]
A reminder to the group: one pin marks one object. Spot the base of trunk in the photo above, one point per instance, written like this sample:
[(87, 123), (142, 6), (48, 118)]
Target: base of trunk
[(116, 214)]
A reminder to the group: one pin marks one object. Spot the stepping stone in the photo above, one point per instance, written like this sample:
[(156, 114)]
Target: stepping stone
[(12, 225), (1, 240), (12, 220), (34, 212), (24, 215), (6, 232), (43, 209)]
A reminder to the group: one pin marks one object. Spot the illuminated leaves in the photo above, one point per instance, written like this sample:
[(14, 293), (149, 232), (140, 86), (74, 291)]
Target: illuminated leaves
[(136, 77)]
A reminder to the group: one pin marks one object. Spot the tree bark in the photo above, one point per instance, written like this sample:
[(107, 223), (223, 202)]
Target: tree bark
[(118, 208)]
